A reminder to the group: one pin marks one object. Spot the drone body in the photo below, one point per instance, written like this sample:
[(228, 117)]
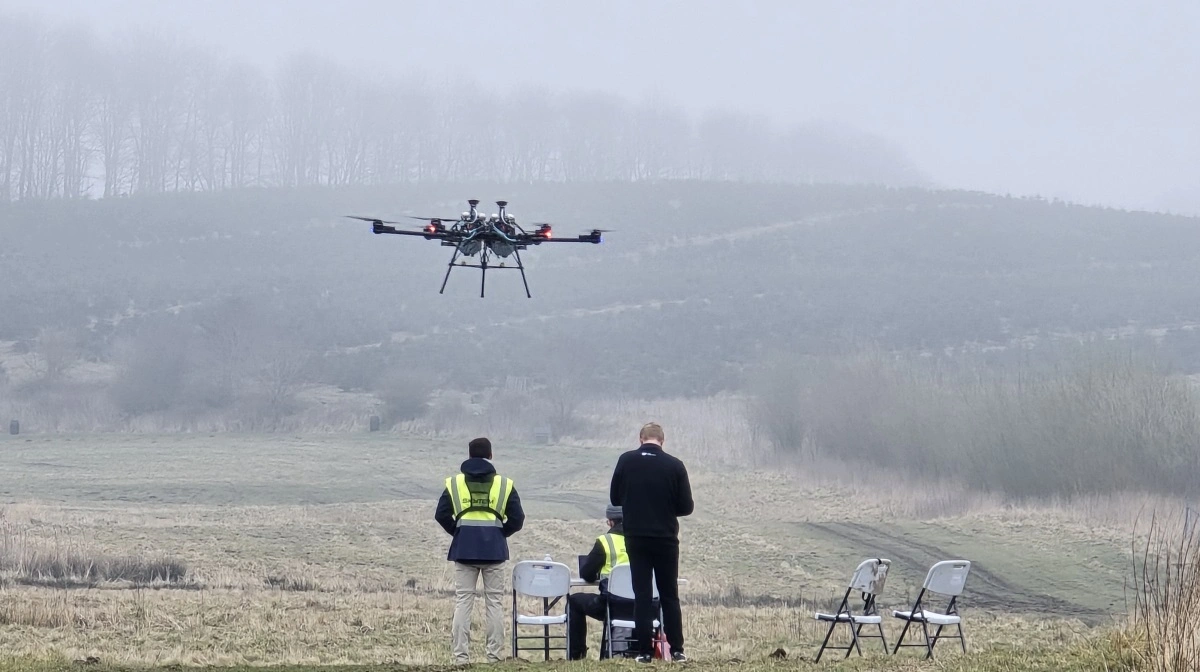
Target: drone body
[(473, 235)]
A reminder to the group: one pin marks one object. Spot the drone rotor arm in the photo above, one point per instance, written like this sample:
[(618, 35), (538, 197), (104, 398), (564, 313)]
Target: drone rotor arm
[(431, 235), (594, 236)]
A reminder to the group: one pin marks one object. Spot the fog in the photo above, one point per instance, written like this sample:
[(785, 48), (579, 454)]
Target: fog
[(918, 278), (893, 230), (1093, 102)]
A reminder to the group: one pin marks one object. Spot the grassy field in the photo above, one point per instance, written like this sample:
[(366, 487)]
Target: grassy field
[(319, 550)]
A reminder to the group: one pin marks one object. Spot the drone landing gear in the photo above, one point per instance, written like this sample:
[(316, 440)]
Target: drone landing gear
[(448, 269), (517, 254), (483, 265)]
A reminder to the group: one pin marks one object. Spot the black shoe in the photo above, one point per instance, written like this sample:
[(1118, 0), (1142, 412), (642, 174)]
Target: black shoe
[(644, 658), (678, 657)]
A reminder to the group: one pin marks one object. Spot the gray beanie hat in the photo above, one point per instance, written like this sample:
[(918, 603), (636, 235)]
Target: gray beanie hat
[(613, 513)]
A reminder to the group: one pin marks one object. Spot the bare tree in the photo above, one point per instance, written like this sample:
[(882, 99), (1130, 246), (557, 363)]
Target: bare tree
[(24, 72), (157, 99), (245, 106), (9, 104), (596, 138), (405, 394), (661, 138), (73, 57), (732, 145), (531, 135), (196, 155), (347, 142), (563, 394), (279, 375), (228, 333), (154, 114), (307, 96), (154, 367), (113, 122), (57, 350)]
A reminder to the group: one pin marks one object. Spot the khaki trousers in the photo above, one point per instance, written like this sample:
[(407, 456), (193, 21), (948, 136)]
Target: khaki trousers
[(466, 578)]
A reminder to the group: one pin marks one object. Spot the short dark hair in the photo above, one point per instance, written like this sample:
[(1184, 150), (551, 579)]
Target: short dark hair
[(481, 447), (652, 431)]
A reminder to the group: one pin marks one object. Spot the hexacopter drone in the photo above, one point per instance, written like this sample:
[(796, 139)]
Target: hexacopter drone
[(474, 234)]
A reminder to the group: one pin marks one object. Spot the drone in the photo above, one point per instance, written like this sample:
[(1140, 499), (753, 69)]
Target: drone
[(473, 234)]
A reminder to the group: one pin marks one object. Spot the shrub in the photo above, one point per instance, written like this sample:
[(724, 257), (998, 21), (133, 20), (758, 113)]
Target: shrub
[(1094, 422), (68, 566), (1166, 596), (405, 394)]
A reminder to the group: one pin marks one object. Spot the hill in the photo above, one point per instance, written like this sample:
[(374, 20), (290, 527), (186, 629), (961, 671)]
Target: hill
[(696, 281)]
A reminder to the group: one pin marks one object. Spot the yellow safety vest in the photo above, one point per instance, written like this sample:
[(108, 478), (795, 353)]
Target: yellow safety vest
[(479, 504), (614, 551)]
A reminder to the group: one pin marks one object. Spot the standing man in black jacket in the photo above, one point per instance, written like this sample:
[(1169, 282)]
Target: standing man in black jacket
[(481, 510), (653, 490)]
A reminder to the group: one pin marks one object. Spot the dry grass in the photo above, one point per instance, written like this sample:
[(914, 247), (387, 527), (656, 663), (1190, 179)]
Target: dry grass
[(259, 626), (1166, 594), (65, 564), (322, 550)]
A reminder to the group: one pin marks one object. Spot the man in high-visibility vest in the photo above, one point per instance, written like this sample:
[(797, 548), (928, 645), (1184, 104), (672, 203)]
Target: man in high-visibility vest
[(481, 510), (607, 552)]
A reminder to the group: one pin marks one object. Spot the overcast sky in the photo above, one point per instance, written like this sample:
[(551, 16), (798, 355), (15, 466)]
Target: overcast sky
[(1090, 100)]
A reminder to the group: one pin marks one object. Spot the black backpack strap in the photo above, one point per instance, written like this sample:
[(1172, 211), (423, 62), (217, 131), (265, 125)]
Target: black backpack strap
[(488, 492)]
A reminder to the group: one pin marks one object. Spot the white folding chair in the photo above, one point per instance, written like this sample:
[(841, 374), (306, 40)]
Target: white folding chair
[(550, 581), (868, 579), (948, 578), (620, 584)]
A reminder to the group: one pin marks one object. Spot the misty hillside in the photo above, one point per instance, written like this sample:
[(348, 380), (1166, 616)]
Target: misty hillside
[(695, 281)]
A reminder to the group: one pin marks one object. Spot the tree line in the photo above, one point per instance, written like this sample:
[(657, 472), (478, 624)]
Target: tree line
[(1095, 418), (82, 115)]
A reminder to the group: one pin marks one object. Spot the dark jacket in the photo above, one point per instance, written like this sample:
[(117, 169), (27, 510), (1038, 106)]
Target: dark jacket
[(653, 490), (479, 545), (590, 571)]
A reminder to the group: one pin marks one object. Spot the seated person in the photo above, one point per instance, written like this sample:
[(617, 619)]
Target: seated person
[(607, 552)]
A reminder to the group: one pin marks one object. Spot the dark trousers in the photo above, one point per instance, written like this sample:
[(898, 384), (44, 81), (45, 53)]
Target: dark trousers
[(580, 606), (653, 560)]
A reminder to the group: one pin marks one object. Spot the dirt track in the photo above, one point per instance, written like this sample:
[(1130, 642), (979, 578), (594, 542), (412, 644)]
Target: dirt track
[(984, 588)]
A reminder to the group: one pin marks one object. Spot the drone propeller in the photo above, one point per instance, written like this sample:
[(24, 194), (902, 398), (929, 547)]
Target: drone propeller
[(433, 219), (372, 219)]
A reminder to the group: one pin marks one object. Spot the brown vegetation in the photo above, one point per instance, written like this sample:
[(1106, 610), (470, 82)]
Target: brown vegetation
[(1100, 421), (322, 549), (1165, 589), (65, 563)]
